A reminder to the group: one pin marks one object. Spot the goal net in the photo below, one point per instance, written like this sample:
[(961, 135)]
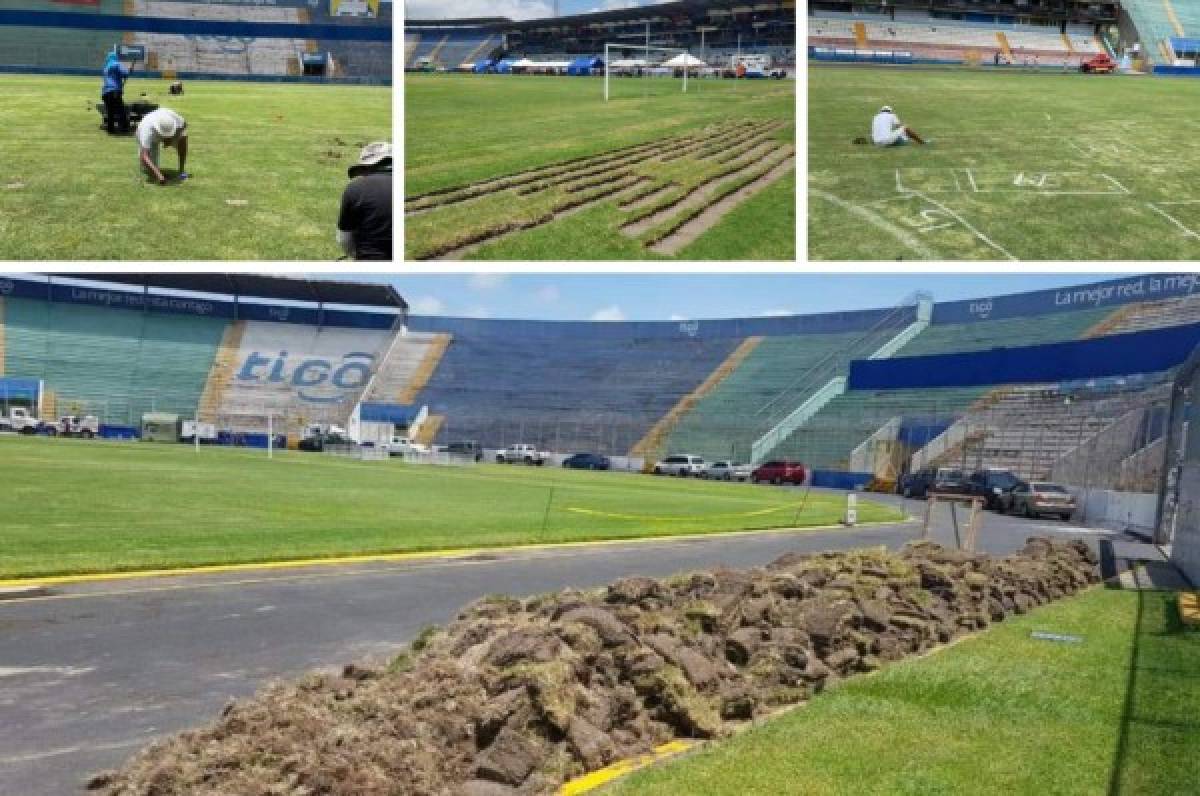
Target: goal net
[(638, 70)]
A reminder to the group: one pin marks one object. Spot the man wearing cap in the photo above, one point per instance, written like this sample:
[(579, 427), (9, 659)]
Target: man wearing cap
[(112, 94), (886, 129), (166, 127), (365, 222)]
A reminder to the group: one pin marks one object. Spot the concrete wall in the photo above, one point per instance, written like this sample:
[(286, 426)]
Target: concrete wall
[(1106, 508)]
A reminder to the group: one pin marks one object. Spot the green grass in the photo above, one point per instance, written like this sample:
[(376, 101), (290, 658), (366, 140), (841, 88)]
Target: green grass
[(999, 713), (69, 191), (1073, 128), (520, 123), (72, 506)]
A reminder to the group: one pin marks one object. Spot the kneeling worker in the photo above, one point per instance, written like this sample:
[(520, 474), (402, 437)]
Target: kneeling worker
[(886, 129), (365, 222), (166, 127)]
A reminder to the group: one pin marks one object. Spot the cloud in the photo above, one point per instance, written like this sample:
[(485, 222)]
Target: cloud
[(547, 294), (610, 313), (427, 305), (675, 316), (455, 9), (776, 312), (486, 281)]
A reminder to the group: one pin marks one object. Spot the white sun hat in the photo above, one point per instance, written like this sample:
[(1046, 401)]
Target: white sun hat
[(886, 109), (165, 125)]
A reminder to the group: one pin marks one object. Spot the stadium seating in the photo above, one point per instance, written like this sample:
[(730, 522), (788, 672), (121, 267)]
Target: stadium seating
[(114, 363), (940, 39), (1027, 429), (1010, 332), (566, 393), (1154, 24), (408, 363), (1154, 315), (269, 375), (71, 48)]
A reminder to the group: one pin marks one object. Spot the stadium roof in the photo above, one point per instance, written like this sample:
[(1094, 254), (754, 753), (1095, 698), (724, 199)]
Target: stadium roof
[(282, 288), (690, 8), (463, 22)]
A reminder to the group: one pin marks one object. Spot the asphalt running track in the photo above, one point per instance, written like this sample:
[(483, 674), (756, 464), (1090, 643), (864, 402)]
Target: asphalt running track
[(94, 672)]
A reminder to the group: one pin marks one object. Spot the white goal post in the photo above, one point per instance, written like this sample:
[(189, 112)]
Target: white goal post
[(608, 48)]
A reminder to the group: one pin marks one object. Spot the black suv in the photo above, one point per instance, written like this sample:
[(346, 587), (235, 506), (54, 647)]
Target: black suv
[(944, 480), (994, 485), (469, 448)]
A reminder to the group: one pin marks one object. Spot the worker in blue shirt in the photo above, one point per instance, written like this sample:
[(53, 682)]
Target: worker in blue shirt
[(112, 94)]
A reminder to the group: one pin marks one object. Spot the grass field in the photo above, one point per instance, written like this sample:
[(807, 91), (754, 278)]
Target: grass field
[(268, 165), (1001, 713), (517, 167), (1022, 166), (72, 506)]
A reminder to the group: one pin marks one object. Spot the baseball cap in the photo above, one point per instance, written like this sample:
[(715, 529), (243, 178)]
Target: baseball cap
[(372, 155), (886, 109)]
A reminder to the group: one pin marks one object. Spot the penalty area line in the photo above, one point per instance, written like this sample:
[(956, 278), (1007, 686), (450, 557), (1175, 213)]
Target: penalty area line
[(984, 238), (1186, 231), (879, 222)]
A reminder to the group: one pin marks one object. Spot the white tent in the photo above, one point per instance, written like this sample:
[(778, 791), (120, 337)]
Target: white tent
[(629, 63), (683, 59), (524, 63)]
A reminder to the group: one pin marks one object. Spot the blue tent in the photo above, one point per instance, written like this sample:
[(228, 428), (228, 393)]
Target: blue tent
[(505, 66), (482, 67), (584, 66)]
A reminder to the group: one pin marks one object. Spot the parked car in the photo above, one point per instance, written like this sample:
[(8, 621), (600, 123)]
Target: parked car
[(779, 471), (942, 480), (586, 461), (993, 485), (1032, 499), (682, 465), (728, 471), (317, 443), (521, 453), (469, 448)]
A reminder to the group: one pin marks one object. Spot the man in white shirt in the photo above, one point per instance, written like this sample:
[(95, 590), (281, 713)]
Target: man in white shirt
[(166, 127), (886, 129)]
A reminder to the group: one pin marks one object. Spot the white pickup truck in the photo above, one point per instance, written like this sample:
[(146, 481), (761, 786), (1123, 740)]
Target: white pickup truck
[(522, 454), (403, 446), (85, 426), (20, 420)]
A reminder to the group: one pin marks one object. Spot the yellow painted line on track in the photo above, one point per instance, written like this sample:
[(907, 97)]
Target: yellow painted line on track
[(615, 515), (595, 779), (459, 553)]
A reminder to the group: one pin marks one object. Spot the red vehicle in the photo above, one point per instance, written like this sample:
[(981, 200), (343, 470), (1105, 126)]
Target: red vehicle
[(779, 471), (1099, 64)]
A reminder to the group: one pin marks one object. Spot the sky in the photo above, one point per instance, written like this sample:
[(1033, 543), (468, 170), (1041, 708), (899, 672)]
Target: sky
[(513, 9), (617, 297)]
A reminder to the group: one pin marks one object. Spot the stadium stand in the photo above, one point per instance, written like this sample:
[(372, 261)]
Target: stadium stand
[(114, 363), (952, 40), (243, 44), (713, 388)]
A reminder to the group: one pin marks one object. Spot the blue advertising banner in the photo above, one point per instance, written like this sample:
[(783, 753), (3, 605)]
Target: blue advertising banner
[(1115, 355), (1111, 293)]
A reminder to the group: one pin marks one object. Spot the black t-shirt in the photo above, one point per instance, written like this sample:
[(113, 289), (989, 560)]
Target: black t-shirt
[(367, 212)]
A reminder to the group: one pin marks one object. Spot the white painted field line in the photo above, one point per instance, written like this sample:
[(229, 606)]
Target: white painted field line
[(1187, 232), (984, 238), (899, 187), (879, 222), (1114, 182), (971, 177)]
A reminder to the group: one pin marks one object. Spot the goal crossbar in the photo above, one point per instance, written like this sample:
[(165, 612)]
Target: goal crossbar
[(645, 48)]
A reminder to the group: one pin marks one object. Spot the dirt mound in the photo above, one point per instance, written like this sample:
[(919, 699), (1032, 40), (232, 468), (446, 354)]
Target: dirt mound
[(516, 696)]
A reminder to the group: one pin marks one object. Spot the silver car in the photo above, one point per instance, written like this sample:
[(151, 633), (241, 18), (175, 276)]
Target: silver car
[(681, 465), (1041, 497), (728, 471)]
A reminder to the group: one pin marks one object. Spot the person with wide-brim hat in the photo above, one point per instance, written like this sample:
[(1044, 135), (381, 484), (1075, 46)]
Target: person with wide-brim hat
[(162, 127), (364, 229)]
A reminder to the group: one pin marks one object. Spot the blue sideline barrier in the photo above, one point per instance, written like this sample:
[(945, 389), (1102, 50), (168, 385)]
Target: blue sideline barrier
[(1114, 355), (836, 479)]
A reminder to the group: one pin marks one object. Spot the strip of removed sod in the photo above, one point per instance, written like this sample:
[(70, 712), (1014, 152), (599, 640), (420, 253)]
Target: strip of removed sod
[(1003, 713), (75, 506)]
